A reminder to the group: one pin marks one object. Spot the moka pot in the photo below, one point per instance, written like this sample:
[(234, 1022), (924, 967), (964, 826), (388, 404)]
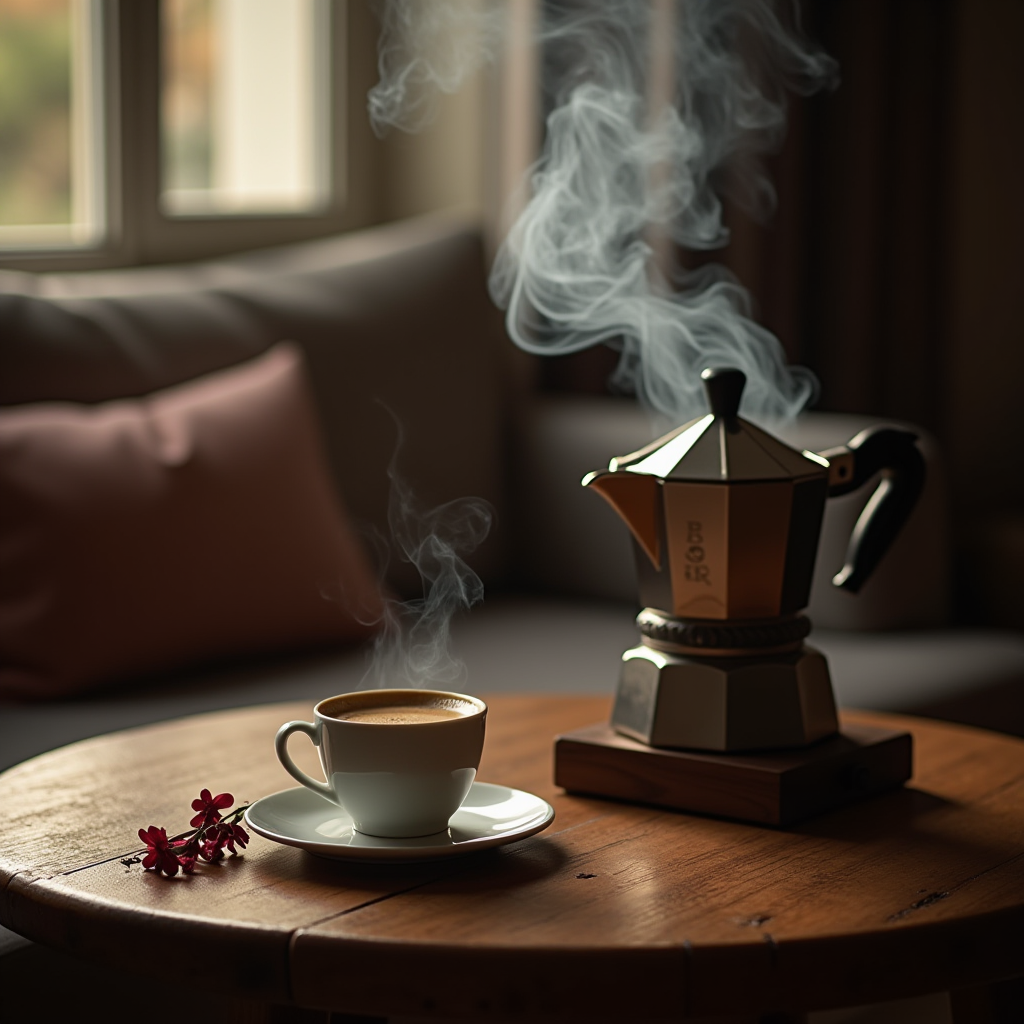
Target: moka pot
[(726, 521)]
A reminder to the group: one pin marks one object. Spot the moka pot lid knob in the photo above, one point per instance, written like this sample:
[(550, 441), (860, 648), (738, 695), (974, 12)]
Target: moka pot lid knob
[(724, 389)]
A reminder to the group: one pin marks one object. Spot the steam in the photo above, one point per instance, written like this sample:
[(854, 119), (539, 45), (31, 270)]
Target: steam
[(578, 267), (426, 48), (412, 648)]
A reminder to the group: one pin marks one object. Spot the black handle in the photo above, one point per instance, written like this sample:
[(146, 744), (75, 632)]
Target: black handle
[(902, 465)]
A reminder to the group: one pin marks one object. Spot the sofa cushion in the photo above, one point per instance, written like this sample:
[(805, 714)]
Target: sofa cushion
[(392, 320), (198, 522)]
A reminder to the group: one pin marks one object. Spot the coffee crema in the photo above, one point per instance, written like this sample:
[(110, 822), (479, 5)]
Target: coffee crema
[(403, 714)]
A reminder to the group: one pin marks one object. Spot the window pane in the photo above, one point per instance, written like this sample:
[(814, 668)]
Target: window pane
[(50, 124), (243, 106)]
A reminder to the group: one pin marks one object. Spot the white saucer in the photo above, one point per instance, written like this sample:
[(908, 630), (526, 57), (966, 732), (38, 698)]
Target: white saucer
[(490, 816)]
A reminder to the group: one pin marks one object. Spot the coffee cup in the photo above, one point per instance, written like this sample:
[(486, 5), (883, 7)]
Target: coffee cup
[(398, 762)]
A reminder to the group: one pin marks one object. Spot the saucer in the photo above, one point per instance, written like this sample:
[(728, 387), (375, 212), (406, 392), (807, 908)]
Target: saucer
[(490, 816)]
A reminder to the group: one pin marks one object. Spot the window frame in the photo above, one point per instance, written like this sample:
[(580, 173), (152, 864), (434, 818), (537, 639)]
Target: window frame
[(138, 230)]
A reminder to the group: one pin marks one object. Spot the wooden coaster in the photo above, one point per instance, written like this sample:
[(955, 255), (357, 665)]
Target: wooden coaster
[(771, 788)]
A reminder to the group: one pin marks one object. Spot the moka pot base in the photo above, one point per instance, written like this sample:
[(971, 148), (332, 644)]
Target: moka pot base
[(776, 788), (724, 686), (732, 719)]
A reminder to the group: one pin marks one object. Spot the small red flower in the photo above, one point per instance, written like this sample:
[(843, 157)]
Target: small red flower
[(209, 808), (217, 837), (212, 833), (159, 856), (187, 851), (237, 834), (213, 848)]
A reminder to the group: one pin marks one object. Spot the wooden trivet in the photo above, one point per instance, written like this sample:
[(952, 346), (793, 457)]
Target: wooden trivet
[(770, 788)]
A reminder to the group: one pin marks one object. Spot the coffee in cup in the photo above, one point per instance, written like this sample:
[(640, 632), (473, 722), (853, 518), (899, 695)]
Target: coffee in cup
[(399, 762), (399, 714)]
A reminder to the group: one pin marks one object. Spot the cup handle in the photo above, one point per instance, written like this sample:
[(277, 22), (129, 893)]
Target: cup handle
[(281, 745)]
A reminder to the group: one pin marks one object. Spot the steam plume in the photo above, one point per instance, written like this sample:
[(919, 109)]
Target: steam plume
[(426, 48), (412, 647), (577, 269)]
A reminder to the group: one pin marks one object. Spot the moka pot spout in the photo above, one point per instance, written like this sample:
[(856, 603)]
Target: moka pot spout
[(636, 498)]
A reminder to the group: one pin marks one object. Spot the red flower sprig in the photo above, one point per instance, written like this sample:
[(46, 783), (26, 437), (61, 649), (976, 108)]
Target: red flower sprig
[(210, 834)]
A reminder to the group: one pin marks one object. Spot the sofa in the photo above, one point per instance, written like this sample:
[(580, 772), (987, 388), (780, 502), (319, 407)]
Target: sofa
[(412, 377)]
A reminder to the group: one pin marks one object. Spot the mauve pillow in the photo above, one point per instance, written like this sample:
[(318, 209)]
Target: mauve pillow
[(195, 523)]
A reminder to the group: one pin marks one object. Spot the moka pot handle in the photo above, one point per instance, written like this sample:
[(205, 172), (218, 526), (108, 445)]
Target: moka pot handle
[(894, 453)]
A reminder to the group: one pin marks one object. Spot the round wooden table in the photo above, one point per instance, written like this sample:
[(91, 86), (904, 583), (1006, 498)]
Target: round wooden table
[(616, 911)]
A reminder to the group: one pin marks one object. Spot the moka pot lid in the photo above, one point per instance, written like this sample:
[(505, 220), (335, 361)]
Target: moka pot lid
[(720, 447)]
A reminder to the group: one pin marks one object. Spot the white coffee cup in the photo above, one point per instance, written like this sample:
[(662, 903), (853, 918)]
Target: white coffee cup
[(399, 762)]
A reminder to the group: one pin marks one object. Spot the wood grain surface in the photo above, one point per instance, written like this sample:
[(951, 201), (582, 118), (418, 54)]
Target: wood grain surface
[(615, 910)]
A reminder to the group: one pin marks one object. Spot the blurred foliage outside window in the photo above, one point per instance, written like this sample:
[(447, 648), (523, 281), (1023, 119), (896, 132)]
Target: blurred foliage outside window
[(35, 112), (51, 124), (187, 115)]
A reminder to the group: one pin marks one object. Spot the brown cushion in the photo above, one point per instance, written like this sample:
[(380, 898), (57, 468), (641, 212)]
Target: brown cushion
[(197, 522)]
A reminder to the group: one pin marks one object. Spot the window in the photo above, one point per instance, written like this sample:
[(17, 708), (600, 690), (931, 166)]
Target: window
[(139, 131)]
